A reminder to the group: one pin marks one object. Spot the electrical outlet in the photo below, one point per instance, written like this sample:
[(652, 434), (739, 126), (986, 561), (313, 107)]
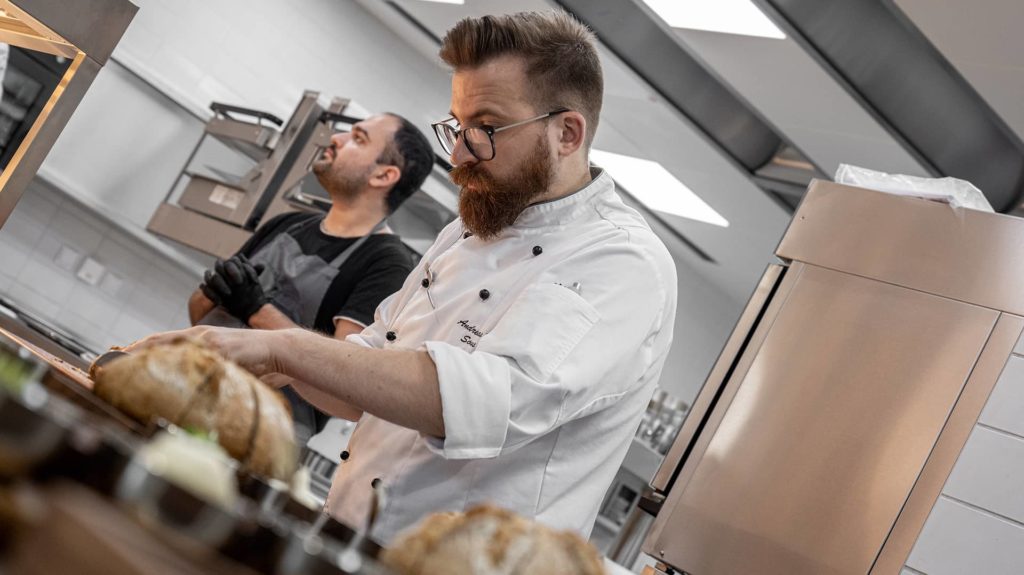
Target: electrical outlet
[(91, 271)]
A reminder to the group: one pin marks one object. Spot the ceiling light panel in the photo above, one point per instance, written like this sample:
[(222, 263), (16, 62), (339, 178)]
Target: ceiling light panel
[(650, 183), (728, 16)]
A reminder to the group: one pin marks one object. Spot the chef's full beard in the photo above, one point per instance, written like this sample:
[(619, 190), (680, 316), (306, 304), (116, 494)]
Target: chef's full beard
[(491, 205)]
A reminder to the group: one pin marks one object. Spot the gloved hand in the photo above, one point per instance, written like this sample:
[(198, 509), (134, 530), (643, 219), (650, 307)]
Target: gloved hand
[(235, 285)]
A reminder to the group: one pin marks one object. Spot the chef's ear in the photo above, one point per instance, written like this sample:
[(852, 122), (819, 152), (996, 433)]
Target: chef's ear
[(384, 176), (572, 132)]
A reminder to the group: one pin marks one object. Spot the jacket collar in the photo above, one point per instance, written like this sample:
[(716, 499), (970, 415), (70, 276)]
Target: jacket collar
[(568, 208)]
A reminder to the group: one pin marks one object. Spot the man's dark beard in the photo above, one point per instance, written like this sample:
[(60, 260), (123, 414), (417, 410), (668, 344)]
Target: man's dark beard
[(337, 184), (491, 205)]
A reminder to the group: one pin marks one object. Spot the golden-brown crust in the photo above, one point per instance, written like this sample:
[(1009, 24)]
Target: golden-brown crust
[(492, 540), (273, 453), (161, 382), (194, 387), (236, 411)]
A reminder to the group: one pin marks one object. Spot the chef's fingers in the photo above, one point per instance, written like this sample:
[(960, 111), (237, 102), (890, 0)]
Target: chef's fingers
[(276, 380), (166, 337)]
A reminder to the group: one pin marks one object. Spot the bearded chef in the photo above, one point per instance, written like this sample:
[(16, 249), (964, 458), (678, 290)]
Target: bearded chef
[(515, 363)]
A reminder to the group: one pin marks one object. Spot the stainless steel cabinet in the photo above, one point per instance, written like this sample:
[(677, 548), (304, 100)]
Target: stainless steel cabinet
[(828, 426)]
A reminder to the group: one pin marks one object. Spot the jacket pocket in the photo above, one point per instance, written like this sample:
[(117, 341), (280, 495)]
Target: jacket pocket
[(541, 328)]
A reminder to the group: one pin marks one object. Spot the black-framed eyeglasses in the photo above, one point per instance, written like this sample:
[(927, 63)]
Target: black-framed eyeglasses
[(479, 140)]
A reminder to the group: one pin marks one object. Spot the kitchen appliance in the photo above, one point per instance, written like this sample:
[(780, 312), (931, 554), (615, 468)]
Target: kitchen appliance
[(829, 424), (214, 209), (79, 35)]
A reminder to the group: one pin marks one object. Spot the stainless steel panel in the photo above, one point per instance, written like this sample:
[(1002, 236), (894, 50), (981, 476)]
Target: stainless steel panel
[(93, 26), (966, 255), (210, 197), (949, 445), (40, 138), (250, 139), (665, 520), (827, 432), (18, 33), (273, 171), (198, 231), (723, 367)]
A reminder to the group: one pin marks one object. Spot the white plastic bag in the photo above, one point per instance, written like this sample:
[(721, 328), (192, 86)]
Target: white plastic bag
[(956, 193)]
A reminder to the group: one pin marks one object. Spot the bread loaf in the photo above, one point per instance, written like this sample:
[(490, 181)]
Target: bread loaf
[(195, 388), (176, 382), (493, 541), (275, 455)]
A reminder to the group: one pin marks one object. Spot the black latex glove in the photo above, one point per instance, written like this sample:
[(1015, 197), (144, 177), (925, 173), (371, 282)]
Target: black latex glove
[(214, 287), (235, 285)]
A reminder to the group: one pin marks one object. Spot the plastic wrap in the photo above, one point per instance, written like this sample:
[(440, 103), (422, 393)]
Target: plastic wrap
[(956, 193)]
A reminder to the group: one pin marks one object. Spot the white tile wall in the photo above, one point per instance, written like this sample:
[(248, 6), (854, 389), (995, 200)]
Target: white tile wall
[(1005, 407), (960, 540), (990, 474), (152, 294), (977, 525)]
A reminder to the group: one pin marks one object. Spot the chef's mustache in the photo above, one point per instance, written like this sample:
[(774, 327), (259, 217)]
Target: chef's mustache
[(470, 176)]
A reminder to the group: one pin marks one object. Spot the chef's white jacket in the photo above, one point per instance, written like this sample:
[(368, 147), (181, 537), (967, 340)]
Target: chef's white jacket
[(548, 342)]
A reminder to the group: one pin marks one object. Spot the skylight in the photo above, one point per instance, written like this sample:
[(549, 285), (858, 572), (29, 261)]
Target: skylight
[(729, 16), (650, 183)]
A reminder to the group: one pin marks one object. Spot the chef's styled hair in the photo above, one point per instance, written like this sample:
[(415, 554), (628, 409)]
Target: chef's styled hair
[(410, 150), (560, 55)]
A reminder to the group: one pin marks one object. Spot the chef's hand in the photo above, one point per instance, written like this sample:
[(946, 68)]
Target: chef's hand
[(235, 285), (255, 350)]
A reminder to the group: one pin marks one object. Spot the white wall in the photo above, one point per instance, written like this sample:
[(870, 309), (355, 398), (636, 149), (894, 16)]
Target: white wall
[(141, 292), (123, 148), (977, 524), (127, 142), (704, 320), (264, 53)]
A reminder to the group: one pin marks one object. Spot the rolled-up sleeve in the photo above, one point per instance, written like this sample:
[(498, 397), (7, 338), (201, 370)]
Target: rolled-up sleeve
[(476, 396)]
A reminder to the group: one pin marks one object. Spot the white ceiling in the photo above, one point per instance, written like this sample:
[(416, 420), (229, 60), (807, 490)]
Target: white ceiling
[(802, 101), (790, 90), (983, 41)]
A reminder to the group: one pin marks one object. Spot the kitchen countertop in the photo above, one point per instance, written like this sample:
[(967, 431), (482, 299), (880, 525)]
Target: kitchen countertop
[(13, 324)]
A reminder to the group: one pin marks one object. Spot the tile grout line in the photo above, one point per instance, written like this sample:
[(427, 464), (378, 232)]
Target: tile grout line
[(1000, 431), (984, 511)]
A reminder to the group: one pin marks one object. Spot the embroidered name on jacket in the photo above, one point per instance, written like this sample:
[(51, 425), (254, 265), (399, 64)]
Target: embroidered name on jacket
[(466, 339)]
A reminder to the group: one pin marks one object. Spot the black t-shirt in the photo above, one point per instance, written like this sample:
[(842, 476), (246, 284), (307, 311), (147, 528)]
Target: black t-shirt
[(373, 272)]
